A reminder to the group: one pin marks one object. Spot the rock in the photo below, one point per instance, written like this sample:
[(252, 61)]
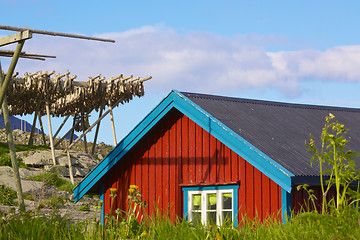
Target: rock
[(6, 170), (78, 172), (25, 173), (38, 159)]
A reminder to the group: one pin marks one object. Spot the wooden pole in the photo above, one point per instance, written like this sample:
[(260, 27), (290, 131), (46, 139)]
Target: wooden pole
[(70, 167), (12, 149), (31, 140), (112, 124), (62, 139), (50, 133), (93, 125), (42, 129), (73, 129), (62, 124), (96, 133), (10, 71), (55, 33), (84, 129)]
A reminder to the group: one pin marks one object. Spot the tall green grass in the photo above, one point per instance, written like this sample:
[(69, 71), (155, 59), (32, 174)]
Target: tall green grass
[(307, 225)]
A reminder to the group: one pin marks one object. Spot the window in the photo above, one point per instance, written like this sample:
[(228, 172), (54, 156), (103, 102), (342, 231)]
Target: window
[(211, 204)]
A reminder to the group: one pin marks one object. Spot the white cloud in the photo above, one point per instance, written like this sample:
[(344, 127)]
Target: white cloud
[(195, 61)]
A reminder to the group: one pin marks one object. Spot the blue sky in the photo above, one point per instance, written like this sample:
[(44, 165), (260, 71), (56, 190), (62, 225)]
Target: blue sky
[(289, 51)]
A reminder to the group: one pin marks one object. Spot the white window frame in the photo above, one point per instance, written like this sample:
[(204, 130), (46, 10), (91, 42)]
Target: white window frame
[(204, 191)]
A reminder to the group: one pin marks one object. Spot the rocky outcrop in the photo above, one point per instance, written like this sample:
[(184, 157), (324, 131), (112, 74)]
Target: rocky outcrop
[(40, 161)]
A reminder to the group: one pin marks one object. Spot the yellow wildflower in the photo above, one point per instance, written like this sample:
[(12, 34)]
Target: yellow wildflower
[(134, 187), (101, 202), (131, 190), (143, 234), (218, 237), (113, 192)]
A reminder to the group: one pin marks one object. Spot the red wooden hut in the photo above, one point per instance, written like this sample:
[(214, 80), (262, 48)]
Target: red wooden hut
[(210, 157)]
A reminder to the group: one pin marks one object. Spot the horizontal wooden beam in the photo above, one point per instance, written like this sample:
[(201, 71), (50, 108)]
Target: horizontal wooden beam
[(4, 27), (25, 34)]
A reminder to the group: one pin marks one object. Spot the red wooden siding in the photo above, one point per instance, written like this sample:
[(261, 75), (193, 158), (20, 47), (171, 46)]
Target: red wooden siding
[(177, 152)]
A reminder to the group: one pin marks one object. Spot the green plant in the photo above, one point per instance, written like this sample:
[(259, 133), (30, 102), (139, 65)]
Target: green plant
[(54, 201), (53, 179), (85, 207), (342, 170), (7, 195)]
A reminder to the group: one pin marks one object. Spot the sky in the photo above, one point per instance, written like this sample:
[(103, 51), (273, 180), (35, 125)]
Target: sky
[(288, 51)]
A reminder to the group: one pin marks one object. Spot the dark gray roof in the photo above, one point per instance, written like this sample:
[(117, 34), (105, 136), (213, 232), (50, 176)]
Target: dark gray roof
[(280, 129)]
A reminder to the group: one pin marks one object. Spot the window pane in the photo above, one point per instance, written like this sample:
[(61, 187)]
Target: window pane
[(211, 201), (227, 200), (196, 218), (211, 218), (226, 216), (196, 201)]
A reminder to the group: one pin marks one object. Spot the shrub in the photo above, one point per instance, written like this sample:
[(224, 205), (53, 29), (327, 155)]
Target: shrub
[(7, 195)]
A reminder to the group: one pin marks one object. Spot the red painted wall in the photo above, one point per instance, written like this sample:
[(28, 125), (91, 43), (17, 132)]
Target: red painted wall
[(177, 152)]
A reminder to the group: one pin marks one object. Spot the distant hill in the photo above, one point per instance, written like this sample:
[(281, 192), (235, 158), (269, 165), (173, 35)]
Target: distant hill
[(23, 125)]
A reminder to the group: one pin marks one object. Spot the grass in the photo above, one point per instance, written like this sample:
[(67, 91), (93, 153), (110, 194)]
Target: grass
[(7, 195), (53, 179), (307, 225)]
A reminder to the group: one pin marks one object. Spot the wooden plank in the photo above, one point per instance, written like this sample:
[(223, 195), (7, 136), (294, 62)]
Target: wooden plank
[(234, 167), (173, 181), (159, 171), (138, 172), (257, 193), (166, 168), (242, 188), (24, 35), (198, 154), (152, 182), (145, 173), (274, 198), (179, 175), (192, 153), (213, 152), (249, 190), (11, 28), (206, 157), (185, 149), (220, 162), (265, 189), (227, 164)]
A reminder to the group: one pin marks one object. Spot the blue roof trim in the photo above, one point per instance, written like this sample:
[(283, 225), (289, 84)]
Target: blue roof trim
[(123, 147), (246, 150), (266, 165)]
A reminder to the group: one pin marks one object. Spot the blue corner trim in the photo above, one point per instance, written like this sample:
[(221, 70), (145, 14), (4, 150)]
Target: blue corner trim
[(102, 191), (186, 204), (235, 189), (285, 205), (175, 99)]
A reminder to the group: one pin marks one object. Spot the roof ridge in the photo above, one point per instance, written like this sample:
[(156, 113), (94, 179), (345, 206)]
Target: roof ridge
[(273, 103)]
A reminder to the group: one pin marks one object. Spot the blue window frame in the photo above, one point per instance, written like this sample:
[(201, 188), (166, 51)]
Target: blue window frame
[(211, 204)]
